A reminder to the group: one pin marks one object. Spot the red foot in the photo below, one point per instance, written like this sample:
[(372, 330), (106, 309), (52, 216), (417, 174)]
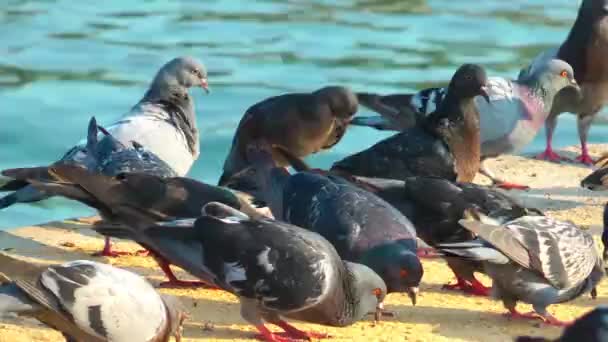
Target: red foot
[(585, 159), (143, 253), (550, 155), (296, 333), (548, 319), (512, 186), (173, 282), (108, 252), (268, 336), (514, 314), (428, 253), (473, 288), (551, 320)]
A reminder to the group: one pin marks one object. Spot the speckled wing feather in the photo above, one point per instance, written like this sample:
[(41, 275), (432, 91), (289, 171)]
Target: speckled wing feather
[(558, 250), (107, 302), (285, 267)]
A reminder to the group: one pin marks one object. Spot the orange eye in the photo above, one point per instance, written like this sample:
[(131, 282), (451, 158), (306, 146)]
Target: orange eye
[(564, 73), (403, 273), (377, 291)]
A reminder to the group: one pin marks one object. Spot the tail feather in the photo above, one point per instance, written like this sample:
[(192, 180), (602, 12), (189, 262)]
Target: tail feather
[(26, 195), (14, 300), (473, 250)]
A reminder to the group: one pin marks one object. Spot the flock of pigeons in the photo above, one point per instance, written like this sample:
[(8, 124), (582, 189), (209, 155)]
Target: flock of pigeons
[(323, 246)]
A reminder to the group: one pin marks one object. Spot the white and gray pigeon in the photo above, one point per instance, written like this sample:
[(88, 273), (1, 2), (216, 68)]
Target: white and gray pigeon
[(163, 122), (516, 111), (93, 302), (535, 259), (276, 269), (585, 49)]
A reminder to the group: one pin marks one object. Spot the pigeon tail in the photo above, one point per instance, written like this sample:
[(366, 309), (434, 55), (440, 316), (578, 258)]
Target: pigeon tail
[(26, 195), (13, 300)]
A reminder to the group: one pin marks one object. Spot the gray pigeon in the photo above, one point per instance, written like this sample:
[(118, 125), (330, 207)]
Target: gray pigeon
[(360, 225), (585, 49), (163, 122), (534, 259), (301, 123), (93, 302), (276, 269), (516, 111)]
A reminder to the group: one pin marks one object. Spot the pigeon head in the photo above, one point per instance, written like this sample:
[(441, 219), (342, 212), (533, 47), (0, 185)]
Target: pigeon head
[(342, 101), (368, 288), (598, 179), (470, 80), (184, 72), (177, 315), (398, 266), (557, 77)]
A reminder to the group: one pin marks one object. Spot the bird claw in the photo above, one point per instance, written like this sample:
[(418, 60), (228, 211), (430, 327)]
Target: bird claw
[(547, 319), (474, 288), (182, 284), (585, 159), (143, 253), (512, 186), (550, 155), (274, 338), (108, 252)]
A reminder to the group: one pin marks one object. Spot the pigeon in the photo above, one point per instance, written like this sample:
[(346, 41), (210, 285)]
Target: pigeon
[(107, 156), (146, 197), (91, 301), (516, 112), (535, 259), (276, 269), (163, 122), (436, 218), (362, 227), (597, 180), (445, 145), (585, 49), (302, 123), (591, 327)]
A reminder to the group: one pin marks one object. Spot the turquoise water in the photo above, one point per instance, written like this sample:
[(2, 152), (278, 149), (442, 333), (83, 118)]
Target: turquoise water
[(63, 61)]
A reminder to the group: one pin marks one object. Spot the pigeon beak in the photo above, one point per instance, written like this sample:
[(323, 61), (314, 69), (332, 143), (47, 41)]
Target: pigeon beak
[(484, 93), (205, 84), (412, 292)]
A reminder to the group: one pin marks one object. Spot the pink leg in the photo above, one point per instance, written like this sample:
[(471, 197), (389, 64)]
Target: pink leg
[(296, 333), (512, 186), (547, 319), (514, 314), (474, 287), (173, 281), (267, 336), (585, 158), (549, 154), (479, 289), (107, 250)]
